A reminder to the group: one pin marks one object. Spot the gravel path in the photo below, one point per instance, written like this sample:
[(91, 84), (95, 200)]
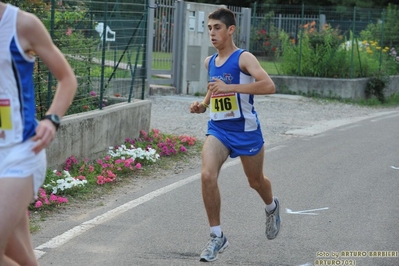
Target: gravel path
[(281, 116)]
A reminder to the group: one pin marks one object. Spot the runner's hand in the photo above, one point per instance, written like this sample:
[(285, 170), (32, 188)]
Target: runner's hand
[(217, 86), (45, 134), (197, 107)]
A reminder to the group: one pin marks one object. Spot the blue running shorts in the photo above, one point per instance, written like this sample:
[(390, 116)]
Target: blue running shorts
[(239, 143)]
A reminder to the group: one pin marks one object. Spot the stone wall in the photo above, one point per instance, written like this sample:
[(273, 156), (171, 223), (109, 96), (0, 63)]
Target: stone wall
[(90, 134), (329, 87)]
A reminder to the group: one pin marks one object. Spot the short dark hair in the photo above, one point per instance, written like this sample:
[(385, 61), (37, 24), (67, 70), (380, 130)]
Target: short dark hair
[(224, 15)]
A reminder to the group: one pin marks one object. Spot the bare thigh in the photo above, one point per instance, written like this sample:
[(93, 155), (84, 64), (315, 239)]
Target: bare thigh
[(253, 165), (19, 246), (15, 196), (214, 154)]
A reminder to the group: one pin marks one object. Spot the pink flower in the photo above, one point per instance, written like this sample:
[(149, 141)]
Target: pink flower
[(99, 161), (81, 177), (107, 157), (100, 180), (53, 197), (42, 193), (110, 174), (91, 168), (69, 31), (138, 166), (62, 200), (38, 204), (93, 93)]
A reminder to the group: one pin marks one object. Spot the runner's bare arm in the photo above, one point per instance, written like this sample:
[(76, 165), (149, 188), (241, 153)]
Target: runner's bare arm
[(38, 40), (34, 37)]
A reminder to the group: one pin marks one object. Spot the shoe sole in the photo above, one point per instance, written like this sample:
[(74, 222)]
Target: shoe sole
[(223, 248)]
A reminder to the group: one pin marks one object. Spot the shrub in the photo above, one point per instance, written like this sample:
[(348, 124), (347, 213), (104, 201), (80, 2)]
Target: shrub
[(376, 85)]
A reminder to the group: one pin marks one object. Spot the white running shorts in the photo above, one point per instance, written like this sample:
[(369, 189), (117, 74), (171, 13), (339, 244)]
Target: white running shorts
[(19, 161)]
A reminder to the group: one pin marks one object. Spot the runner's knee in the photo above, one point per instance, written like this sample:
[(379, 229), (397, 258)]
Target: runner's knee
[(208, 178)]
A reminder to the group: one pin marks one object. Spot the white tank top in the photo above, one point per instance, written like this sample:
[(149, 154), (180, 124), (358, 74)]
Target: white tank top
[(17, 98)]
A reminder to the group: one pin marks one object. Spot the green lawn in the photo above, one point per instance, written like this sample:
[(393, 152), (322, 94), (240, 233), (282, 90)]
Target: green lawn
[(163, 61), (270, 67)]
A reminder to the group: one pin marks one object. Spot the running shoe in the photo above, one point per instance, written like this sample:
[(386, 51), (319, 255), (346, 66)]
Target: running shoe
[(273, 221), (215, 245)]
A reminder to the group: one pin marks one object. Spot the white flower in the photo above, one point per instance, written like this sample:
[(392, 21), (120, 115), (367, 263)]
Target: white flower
[(123, 152), (65, 183)]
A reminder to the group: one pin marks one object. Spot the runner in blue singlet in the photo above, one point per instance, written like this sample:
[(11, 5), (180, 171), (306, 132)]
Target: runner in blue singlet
[(235, 76)]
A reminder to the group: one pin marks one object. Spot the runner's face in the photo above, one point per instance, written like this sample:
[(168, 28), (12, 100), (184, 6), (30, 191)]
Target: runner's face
[(218, 32)]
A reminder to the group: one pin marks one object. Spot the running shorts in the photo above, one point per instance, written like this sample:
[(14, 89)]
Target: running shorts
[(239, 143), (19, 161)]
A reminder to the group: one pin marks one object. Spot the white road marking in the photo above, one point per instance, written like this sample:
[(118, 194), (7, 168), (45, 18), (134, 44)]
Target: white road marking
[(385, 117), (80, 229), (308, 212), (394, 167), (348, 127), (324, 126), (83, 227)]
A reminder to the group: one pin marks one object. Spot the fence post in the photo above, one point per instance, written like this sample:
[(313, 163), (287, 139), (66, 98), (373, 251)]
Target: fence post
[(301, 38), (255, 5), (143, 69), (103, 55), (177, 47), (353, 39), (245, 28), (322, 21), (150, 40), (50, 76), (382, 37)]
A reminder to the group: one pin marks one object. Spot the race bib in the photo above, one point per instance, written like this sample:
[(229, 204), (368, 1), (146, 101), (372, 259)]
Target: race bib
[(5, 114), (224, 106)]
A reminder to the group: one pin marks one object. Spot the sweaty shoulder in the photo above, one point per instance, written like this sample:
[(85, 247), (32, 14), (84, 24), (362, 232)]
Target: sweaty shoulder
[(28, 29), (206, 62), (247, 60)]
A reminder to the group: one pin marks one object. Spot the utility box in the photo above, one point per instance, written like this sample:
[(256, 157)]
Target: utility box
[(194, 63)]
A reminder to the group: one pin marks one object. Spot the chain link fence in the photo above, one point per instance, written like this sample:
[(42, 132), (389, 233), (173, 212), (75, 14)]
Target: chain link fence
[(336, 41), (103, 41)]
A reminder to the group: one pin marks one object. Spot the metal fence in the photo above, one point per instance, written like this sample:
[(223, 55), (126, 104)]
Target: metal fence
[(359, 30), (110, 69), (113, 68), (289, 18)]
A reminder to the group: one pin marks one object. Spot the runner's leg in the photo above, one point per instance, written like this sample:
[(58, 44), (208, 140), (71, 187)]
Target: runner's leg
[(15, 196), (253, 168), (214, 154)]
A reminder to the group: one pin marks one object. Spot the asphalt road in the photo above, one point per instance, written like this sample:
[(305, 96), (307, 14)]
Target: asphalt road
[(338, 193)]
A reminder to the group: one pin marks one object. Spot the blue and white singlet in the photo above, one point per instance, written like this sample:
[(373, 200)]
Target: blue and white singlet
[(17, 98), (232, 111)]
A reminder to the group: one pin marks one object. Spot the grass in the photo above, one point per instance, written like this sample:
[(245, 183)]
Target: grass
[(163, 60), (270, 67)]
